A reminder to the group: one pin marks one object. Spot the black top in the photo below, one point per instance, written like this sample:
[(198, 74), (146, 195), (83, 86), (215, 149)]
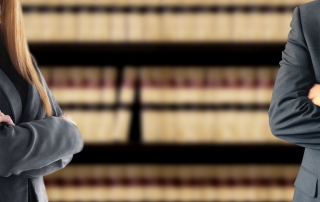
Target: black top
[(7, 67)]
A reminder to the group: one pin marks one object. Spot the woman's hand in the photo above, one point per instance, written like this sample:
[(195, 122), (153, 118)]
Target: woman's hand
[(6, 118), (314, 94), (68, 117)]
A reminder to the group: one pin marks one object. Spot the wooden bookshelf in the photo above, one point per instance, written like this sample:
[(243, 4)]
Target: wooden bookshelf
[(157, 53), (189, 154)]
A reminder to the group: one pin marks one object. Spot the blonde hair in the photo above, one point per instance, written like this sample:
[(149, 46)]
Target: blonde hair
[(14, 36)]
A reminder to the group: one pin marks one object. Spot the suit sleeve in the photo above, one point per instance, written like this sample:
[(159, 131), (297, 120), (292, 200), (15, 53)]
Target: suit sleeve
[(292, 115), (35, 144), (61, 163), (46, 170)]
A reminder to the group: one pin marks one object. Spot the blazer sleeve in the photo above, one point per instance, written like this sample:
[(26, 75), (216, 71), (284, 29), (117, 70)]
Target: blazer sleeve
[(34, 144), (61, 163), (46, 170), (293, 117)]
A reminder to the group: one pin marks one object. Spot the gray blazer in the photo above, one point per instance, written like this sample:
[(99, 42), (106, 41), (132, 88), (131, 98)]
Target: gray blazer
[(35, 146), (292, 115)]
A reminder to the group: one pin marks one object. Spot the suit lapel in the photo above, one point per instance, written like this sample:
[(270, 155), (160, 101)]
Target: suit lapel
[(13, 96), (32, 104)]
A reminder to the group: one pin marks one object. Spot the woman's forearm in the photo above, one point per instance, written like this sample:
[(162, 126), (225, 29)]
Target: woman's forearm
[(48, 169), (35, 144)]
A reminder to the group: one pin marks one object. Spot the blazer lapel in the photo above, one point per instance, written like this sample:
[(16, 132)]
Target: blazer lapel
[(13, 96), (33, 100), (32, 104)]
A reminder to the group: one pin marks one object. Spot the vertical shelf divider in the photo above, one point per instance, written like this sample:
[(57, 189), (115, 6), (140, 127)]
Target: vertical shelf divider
[(135, 127)]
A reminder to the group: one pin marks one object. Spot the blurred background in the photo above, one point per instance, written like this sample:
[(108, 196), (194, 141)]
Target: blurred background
[(171, 97)]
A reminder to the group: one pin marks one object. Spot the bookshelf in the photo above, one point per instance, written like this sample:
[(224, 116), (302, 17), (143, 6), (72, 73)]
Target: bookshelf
[(153, 35), (152, 54), (189, 154)]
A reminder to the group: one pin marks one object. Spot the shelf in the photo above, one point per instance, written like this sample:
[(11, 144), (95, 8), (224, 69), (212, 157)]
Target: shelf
[(43, 7), (190, 154), (206, 53), (168, 106)]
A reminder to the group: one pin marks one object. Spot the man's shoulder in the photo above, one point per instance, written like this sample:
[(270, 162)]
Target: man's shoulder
[(309, 15), (310, 9), (310, 3)]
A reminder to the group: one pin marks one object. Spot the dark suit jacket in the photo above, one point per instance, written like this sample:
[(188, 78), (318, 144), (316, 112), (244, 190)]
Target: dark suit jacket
[(36, 145), (292, 115)]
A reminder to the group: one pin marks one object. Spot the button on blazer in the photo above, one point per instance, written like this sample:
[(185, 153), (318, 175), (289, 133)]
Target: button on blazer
[(292, 115), (36, 145)]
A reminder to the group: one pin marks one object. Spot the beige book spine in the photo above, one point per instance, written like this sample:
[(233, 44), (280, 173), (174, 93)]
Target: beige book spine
[(122, 124), (134, 191), (158, 94), (170, 126), (222, 26), (213, 79), (100, 20), (127, 89), (247, 88), (230, 87), (106, 125), (86, 127), (92, 123), (65, 2), (206, 125), (32, 24), (239, 19), (135, 26), (84, 25), (67, 26), (152, 192), (92, 79), (118, 26), (48, 25), (285, 19), (270, 21), (152, 26), (254, 26), (227, 126), (57, 82), (243, 124), (146, 85), (151, 126), (108, 91), (264, 84), (74, 87)]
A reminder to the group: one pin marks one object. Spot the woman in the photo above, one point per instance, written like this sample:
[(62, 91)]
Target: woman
[(294, 112), (36, 139)]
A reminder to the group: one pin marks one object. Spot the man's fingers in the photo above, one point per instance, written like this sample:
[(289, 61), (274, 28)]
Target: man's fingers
[(316, 101), (314, 91)]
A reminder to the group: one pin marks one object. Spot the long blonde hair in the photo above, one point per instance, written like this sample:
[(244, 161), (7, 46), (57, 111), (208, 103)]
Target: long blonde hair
[(13, 32)]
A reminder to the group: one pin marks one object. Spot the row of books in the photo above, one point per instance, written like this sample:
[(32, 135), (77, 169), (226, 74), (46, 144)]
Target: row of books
[(219, 127), (102, 126), (178, 126), (162, 85), (209, 85), (204, 25), (172, 183), (164, 2), (78, 84)]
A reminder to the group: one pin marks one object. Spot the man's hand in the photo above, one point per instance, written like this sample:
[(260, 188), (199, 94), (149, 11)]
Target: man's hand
[(314, 94)]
